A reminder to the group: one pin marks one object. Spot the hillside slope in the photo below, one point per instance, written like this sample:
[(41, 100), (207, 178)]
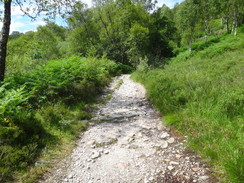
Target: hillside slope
[(43, 110), (201, 93)]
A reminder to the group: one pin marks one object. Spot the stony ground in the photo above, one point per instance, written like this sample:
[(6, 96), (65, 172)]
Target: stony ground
[(126, 143)]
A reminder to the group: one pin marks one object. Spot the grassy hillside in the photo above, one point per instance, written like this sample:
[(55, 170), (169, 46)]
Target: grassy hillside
[(43, 110), (201, 94)]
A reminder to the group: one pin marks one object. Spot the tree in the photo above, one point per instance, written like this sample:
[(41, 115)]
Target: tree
[(149, 5), (206, 13), (4, 37), (161, 32), (232, 12), (188, 17), (15, 35), (34, 8), (122, 30), (166, 11), (109, 28), (237, 14)]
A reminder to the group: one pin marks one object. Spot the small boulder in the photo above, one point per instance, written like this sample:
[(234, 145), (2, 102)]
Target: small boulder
[(95, 155), (170, 168), (91, 142), (164, 135), (164, 144), (171, 140)]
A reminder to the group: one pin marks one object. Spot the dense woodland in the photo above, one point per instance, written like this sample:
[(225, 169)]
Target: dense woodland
[(53, 75), (126, 31)]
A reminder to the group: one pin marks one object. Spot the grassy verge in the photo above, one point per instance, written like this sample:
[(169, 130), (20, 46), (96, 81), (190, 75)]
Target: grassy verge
[(43, 111), (201, 94)]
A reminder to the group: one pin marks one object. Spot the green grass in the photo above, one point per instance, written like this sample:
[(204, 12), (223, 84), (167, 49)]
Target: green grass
[(42, 111), (212, 47), (201, 94)]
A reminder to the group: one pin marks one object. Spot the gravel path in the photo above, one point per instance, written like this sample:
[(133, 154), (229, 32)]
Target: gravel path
[(127, 143)]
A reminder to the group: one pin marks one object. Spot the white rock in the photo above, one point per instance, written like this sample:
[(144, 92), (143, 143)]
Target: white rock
[(178, 156), (171, 140), (130, 140), (144, 140), (174, 163), (195, 169), (139, 134), (70, 176), (95, 155), (164, 135), (145, 180), (164, 144), (112, 136), (131, 134), (170, 168), (91, 142), (203, 177), (101, 150), (160, 127), (93, 146), (146, 127)]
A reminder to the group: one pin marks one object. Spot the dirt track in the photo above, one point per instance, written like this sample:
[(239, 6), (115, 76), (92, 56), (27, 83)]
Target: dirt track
[(127, 143)]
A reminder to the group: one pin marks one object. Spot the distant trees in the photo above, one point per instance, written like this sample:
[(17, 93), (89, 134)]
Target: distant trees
[(15, 35), (33, 9), (195, 18), (123, 30), (28, 50), (127, 31)]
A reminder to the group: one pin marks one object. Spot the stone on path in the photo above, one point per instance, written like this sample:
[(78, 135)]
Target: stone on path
[(95, 154), (171, 140), (91, 142), (174, 163), (127, 143), (164, 144), (164, 135), (195, 169), (170, 168)]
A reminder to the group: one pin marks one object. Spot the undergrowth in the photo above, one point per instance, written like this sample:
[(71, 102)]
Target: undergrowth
[(201, 94), (212, 47), (44, 108)]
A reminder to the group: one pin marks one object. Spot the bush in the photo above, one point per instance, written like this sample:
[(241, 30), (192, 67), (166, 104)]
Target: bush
[(213, 47), (45, 105)]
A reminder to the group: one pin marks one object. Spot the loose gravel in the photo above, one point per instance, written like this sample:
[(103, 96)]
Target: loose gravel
[(127, 143)]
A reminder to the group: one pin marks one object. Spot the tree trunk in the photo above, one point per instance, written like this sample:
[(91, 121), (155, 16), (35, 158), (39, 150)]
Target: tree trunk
[(235, 19), (227, 25), (205, 30), (4, 35), (234, 27), (191, 38)]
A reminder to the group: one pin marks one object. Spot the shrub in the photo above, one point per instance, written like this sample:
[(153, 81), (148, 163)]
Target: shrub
[(45, 105)]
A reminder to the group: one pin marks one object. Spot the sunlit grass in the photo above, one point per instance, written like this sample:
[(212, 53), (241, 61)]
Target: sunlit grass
[(202, 95)]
